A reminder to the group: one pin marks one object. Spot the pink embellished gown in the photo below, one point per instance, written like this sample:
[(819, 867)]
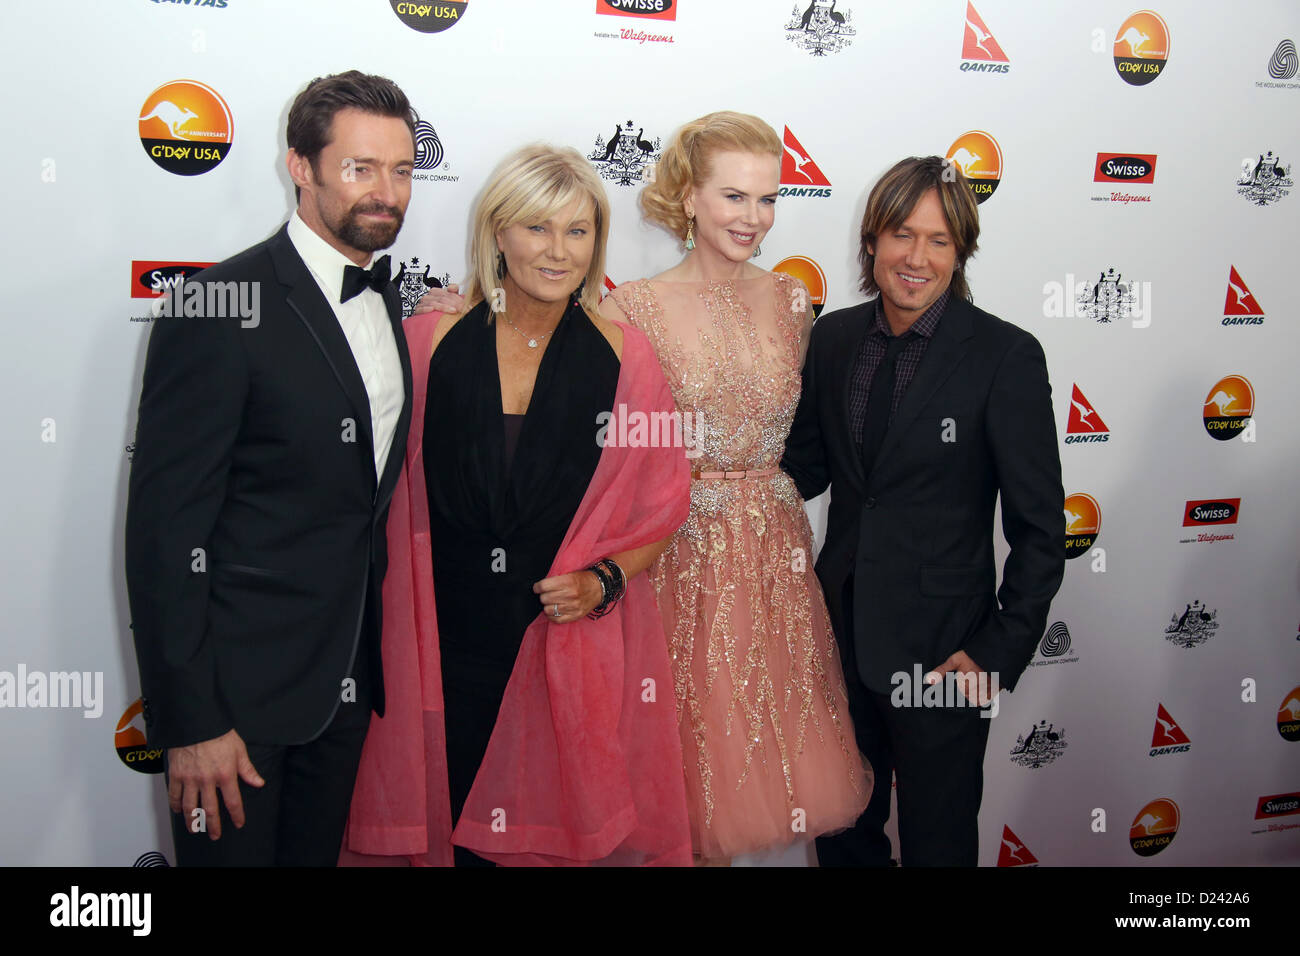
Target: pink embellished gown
[(770, 755)]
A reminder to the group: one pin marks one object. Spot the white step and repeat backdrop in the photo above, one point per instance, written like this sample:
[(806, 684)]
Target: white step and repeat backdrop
[(1136, 172)]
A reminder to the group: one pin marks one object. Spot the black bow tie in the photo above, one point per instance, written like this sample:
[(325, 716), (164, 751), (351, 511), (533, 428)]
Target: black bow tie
[(356, 279)]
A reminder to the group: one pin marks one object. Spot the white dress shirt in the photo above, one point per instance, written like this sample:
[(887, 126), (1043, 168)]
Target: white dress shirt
[(364, 320)]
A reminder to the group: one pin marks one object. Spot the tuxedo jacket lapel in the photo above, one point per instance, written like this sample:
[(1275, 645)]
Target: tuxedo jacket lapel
[(396, 452), (305, 299), (942, 356)]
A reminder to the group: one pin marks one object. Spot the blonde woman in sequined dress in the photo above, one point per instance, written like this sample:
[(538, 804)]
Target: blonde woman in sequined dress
[(770, 754)]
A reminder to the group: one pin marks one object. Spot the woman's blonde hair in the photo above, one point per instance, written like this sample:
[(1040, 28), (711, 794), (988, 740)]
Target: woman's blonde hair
[(530, 186), (688, 161)]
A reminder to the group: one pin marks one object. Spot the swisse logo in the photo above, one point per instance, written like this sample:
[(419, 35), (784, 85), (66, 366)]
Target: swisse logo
[(428, 17), (152, 278), (1211, 512), (645, 9), (1125, 168), (1278, 805)]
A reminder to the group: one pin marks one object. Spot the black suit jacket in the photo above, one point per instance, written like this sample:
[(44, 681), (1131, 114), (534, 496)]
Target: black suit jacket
[(917, 534), (243, 450)]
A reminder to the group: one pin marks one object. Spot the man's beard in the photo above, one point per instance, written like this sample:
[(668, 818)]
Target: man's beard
[(372, 236)]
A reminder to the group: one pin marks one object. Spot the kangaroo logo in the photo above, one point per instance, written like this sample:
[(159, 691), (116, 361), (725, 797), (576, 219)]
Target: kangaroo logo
[(172, 115), (965, 159), (1223, 402), (1134, 38)]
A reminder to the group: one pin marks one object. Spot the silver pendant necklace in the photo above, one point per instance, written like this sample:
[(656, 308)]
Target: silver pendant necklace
[(533, 341)]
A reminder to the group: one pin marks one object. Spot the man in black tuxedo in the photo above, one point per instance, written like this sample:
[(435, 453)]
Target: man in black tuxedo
[(267, 449), (919, 410)]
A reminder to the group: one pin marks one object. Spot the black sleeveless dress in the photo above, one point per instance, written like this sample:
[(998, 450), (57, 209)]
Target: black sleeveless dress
[(496, 520)]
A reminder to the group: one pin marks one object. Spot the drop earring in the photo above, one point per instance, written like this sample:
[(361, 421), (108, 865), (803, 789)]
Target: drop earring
[(690, 234), (501, 265), (758, 250)]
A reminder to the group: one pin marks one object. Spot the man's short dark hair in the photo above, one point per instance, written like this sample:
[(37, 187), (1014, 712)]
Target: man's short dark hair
[(312, 114)]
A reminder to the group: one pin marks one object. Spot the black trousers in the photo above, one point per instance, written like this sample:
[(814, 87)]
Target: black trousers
[(298, 816), (937, 755)]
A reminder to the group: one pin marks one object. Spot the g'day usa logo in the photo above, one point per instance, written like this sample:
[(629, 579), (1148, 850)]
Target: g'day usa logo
[(1154, 827), (1227, 410), (1141, 48), (1124, 170), (979, 157), (186, 127), (1288, 716), (429, 17)]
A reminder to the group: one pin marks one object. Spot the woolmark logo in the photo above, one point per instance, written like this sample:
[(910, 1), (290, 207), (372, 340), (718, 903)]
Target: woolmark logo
[(1221, 511), (645, 9), (429, 17), (1125, 168)]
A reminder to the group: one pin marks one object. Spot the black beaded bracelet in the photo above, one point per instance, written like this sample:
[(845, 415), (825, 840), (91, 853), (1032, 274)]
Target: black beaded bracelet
[(613, 584)]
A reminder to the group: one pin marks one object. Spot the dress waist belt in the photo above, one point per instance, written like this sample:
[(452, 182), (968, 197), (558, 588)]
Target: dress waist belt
[(735, 475)]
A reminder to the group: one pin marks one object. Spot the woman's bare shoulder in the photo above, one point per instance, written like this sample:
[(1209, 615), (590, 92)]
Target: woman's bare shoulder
[(612, 331)]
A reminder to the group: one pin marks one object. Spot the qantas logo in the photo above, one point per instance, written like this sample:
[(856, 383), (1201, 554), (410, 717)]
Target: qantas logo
[(980, 52), (1167, 737), (1240, 307), (800, 175), (1084, 424)]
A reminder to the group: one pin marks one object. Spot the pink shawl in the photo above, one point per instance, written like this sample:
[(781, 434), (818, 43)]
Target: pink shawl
[(584, 765)]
